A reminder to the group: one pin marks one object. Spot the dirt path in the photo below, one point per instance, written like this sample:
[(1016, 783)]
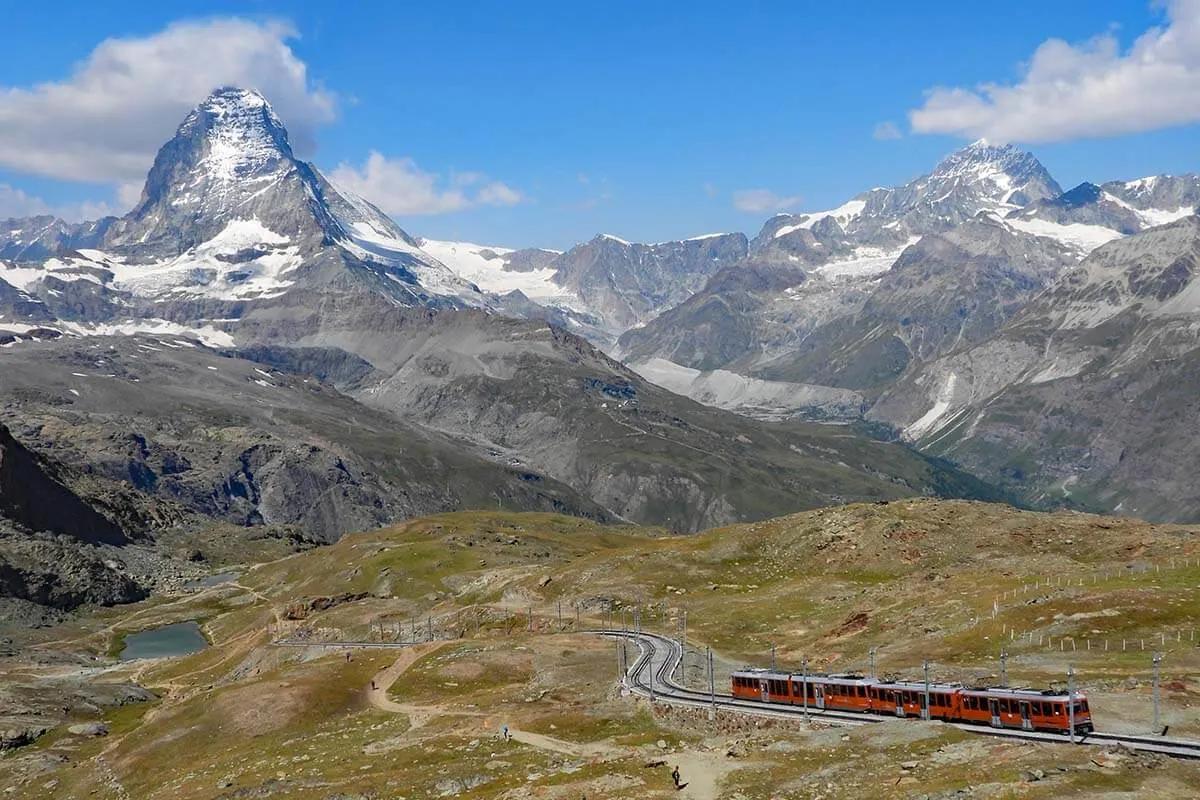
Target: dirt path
[(418, 716), (377, 691), (702, 772), (590, 750)]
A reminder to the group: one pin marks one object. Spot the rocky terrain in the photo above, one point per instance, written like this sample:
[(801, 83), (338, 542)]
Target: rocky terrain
[(49, 537)]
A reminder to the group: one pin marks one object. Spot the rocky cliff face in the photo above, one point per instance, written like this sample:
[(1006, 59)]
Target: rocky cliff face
[(626, 284), (49, 535), (33, 497), (1086, 394)]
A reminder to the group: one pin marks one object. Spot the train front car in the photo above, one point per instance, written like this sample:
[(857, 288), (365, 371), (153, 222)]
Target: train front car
[(1025, 709)]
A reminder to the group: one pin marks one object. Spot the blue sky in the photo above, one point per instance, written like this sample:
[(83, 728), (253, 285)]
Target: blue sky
[(545, 123)]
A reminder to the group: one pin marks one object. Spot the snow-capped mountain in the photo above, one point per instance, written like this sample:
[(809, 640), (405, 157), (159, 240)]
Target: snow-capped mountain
[(606, 285), (33, 238), (1089, 215), (228, 217), (879, 223)]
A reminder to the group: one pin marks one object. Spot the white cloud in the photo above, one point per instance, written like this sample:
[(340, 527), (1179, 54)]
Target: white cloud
[(15, 202), (129, 194), (1081, 91), (401, 188), (886, 131), (105, 122), (498, 194), (759, 201)]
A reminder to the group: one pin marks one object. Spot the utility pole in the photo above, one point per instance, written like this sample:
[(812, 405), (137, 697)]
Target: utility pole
[(429, 624), (683, 648), (1003, 669), (773, 657), (560, 615), (1071, 702), (712, 682), (804, 666), (650, 663), (871, 665), (1157, 666), (530, 619), (927, 712)]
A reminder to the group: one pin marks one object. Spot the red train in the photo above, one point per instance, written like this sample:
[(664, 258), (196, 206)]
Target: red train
[(1025, 709)]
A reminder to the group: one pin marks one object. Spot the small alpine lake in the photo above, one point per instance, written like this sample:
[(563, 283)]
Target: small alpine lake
[(178, 639)]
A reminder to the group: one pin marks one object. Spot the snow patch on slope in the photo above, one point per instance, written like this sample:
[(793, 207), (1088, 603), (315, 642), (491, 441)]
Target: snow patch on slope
[(246, 260), (867, 262), (749, 396), (485, 266), (928, 423), (843, 214), (1078, 236)]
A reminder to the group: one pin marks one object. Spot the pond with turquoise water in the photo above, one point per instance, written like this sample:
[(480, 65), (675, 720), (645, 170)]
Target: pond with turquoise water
[(179, 639)]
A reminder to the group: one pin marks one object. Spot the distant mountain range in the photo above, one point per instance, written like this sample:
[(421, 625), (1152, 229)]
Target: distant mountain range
[(884, 312), (252, 346)]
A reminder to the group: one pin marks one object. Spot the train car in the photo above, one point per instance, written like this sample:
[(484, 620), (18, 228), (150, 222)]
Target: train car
[(820, 691), (1026, 709), (763, 685), (907, 699)]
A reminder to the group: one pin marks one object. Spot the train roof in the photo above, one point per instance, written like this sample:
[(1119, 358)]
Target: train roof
[(842, 679), (919, 685), (1022, 693)]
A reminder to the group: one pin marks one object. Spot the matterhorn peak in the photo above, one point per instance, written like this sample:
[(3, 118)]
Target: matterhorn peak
[(226, 151), (242, 133)]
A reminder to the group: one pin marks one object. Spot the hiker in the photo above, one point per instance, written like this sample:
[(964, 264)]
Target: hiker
[(505, 734), (372, 685), (675, 775)]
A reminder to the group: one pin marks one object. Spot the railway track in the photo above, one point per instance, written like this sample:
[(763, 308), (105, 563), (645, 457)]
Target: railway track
[(650, 675)]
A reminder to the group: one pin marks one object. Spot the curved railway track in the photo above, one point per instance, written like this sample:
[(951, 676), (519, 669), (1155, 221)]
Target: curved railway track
[(650, 675)]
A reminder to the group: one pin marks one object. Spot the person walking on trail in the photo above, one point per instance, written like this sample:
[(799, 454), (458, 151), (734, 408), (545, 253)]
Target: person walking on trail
[(504, 733), (675, 775)]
